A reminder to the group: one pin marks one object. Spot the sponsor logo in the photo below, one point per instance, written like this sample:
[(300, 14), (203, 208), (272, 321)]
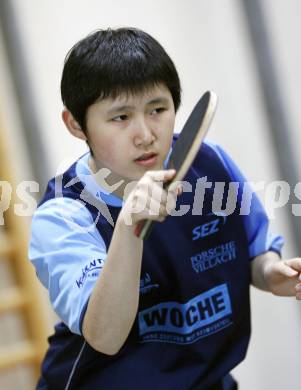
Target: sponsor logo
[(146, 284), (91, 270), (209, 228), (184, 323), (213, 257)]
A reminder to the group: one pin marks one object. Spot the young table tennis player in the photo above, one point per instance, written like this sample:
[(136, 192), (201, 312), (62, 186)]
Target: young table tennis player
[(170, 312)]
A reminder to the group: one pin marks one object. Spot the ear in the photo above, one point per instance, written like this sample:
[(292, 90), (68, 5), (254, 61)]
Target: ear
[(72, 125)]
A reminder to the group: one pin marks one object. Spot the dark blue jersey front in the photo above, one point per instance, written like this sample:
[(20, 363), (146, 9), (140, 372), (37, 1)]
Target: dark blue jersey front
[(193, 322)]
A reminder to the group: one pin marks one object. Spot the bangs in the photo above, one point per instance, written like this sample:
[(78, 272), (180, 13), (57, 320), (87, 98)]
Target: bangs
[(129, 69)]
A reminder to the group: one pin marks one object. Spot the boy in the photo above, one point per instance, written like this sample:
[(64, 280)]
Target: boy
[(171, 312)]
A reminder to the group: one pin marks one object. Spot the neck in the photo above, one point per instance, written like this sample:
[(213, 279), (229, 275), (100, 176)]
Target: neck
[(107, 179)]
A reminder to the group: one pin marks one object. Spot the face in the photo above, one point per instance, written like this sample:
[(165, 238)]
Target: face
[(131, 134)]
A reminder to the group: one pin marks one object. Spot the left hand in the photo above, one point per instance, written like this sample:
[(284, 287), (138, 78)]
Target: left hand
[(283, 277)]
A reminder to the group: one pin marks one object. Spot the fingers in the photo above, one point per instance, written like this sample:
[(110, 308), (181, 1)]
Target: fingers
[(282, 269), (291, 268), (286, 270), (294, 264), (151, 184), (176, 187), (148, 199), (160, 176), (298, 291)]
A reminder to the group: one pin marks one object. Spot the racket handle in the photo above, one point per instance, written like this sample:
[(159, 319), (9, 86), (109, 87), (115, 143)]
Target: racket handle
[(143, 229)]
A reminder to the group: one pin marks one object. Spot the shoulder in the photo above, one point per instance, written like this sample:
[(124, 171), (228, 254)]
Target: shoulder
[(62, 209), (209, 148), (62, 217), (214, 149), (215, 155)]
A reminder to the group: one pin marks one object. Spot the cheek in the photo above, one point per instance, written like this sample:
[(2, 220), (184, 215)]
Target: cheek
[(105, 149), (168, 130), (108, 155)]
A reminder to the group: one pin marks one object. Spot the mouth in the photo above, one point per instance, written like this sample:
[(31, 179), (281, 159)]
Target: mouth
[(147, 159)]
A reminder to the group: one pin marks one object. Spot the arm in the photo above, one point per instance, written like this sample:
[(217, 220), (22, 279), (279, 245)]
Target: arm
[(114, 300), (281, 277), (268, 271)]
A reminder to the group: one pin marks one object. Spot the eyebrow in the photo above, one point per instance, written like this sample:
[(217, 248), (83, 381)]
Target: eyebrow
[(159, 100)]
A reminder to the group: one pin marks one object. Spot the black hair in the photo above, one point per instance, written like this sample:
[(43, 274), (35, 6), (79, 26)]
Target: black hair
[(110, 62)]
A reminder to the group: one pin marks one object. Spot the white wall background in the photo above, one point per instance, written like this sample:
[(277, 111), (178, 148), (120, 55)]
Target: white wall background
[(209, 44)]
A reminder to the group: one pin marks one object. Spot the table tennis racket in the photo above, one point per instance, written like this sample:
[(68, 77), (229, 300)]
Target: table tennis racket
[(186, 147)]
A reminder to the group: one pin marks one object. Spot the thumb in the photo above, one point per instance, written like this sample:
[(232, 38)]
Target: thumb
[(287, 270), (169, 174), (294, 263)]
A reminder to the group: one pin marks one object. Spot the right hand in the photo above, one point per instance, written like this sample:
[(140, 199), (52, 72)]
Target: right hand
[(148, 199)]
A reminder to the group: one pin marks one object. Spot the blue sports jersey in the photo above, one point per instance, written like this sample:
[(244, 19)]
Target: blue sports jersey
[(193, 322)]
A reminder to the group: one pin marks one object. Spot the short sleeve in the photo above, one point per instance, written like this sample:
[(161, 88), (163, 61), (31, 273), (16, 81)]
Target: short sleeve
[(256, 222), (68, 254)]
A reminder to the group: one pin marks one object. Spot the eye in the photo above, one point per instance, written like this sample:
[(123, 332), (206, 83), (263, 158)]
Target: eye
[(158, 110), (120, 118)]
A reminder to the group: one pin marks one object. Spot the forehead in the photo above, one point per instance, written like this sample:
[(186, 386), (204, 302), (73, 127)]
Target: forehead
[(150, 94)]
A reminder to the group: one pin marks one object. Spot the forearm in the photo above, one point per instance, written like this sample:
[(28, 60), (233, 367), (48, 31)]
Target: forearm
[(114, 301), (259, 265)]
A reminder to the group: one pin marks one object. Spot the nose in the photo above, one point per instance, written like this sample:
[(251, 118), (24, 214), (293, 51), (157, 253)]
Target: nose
[(143, 134)]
